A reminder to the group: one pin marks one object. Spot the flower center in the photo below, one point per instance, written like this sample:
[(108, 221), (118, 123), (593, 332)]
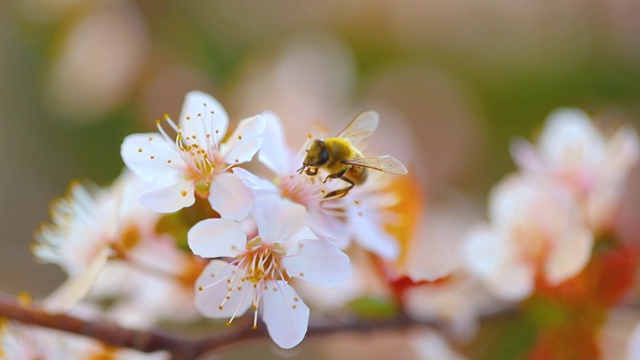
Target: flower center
[(261, 262), (199, 153), (260, 265)]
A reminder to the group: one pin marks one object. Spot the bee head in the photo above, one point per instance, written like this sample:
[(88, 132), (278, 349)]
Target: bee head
[(317, 154)]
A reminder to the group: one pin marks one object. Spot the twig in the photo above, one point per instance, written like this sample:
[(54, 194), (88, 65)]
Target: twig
[(180, 347)]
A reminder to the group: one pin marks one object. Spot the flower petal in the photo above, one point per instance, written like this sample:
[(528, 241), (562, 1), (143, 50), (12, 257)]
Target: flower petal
[(245, 141), (173, 195), (569, 140), (230, 197), (569, 256), (484, 251), (213, 282), (290, 244), (328, 228), (488, 255), (513, 282), (285, 315), (526, 156), (147, 154), (372, 237), (277, 218), (212, 238), (260, 187), (76, 286), (318, 262), (274, 153), (205, 116)]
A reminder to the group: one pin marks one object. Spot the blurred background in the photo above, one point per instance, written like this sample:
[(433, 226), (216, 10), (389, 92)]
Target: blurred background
[(454, 82)]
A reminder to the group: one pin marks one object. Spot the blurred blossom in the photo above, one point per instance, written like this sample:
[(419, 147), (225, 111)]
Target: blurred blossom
[(429, 345), (79, 239), (535, 229), (434, 251), (89, 228), (457, 298), (97, 63), (573, 153)]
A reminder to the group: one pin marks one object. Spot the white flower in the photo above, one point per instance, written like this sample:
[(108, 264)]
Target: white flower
[(88, 229), (572, 152), (259, 275), (535, 228), (79, 240), (359, 215), (131, 286), (196, 161)]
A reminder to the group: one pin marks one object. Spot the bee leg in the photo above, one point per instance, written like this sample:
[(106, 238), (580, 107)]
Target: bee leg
[(336, 194), (335, 176)]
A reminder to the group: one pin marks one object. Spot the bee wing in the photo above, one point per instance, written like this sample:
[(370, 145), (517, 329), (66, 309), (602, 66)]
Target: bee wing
[(362, 126), (384, 163)]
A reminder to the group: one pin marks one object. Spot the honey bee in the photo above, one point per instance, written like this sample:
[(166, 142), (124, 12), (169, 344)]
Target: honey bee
[(342, 160)]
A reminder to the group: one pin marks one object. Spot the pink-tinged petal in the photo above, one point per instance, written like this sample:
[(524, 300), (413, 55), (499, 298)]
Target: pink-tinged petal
[(212, 238), (526, 156), (260, 187), (623, 151), (484, 251), (230, 197), (205, 116), (147, 155), (245, 141), (173, 195), (215, 289), (328, 228), (514, 282), (291, 242), (509, 197), (318, 262), (277, 218), (569, 256), (285, 315), (76, 286), (487, 255), (372, 237), (569, 139), (602, 204), (274, 153)]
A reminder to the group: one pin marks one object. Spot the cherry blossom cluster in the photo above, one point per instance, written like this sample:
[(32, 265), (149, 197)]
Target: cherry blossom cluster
[(544, 219), (209, 222), (261, 235)]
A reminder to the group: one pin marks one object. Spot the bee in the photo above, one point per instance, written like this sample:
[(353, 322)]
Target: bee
[(342, 160)]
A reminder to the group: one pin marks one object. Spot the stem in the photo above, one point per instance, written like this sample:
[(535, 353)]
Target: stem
[(180, 347)]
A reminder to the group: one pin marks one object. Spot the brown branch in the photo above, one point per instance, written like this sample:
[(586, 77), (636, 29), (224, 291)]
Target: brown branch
[(180, 347)]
